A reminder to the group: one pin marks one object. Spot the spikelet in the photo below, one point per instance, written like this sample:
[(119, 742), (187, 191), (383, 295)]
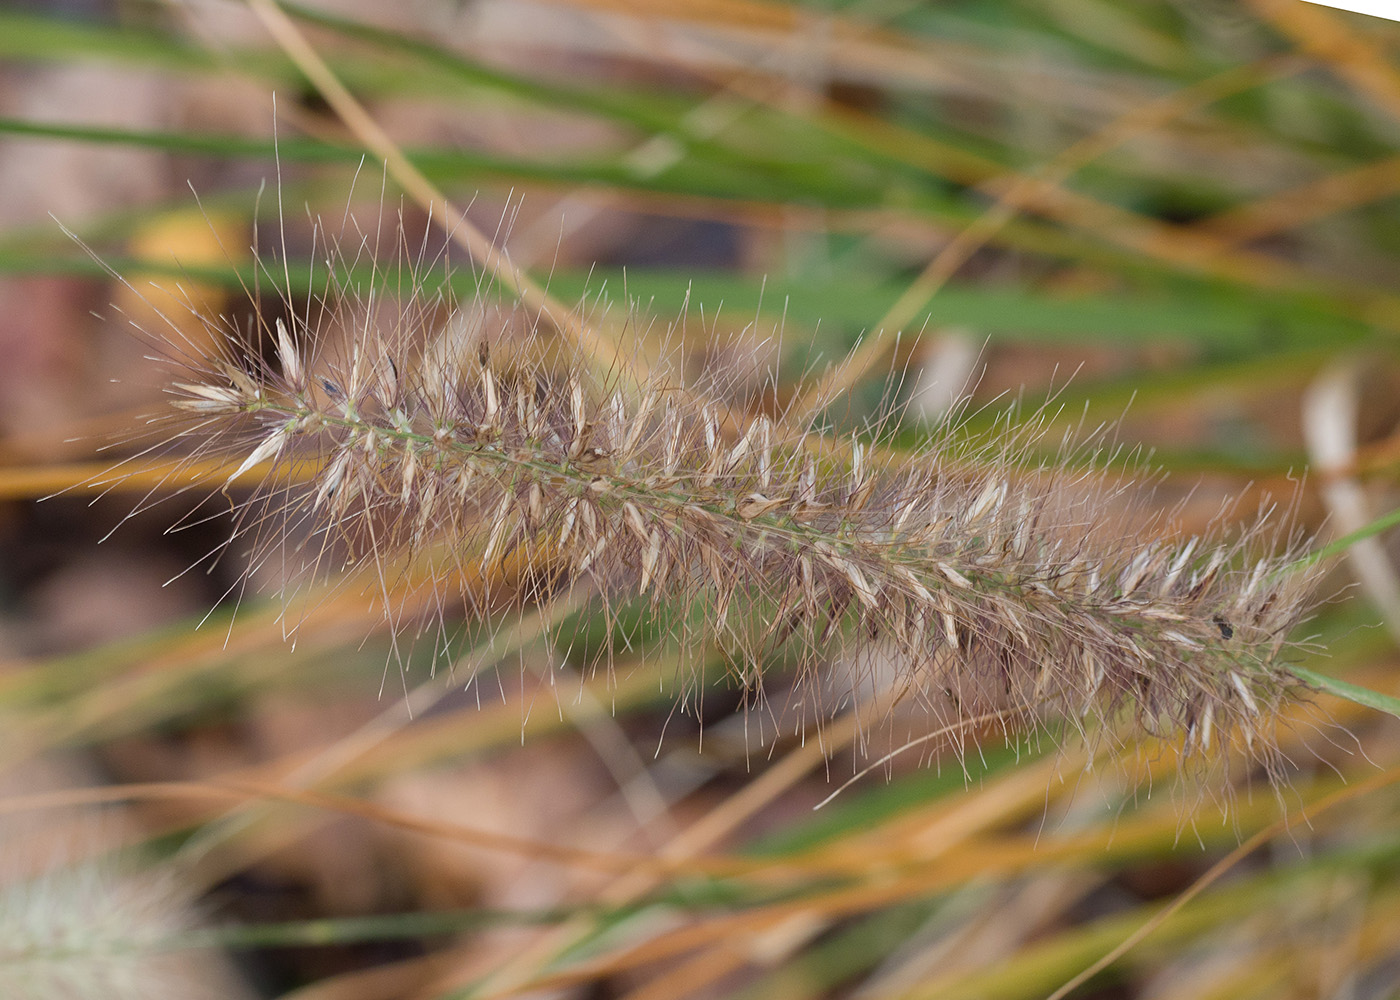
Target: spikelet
[(422, 433)]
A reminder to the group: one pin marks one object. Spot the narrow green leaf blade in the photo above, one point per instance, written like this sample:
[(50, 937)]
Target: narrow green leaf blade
[(1351, 692)]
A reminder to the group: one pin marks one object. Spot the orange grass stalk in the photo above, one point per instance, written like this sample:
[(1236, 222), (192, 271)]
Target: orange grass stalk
[(412, 430)]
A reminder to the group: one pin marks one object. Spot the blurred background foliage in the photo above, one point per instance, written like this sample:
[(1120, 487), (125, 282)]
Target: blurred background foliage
[(1182, 214)]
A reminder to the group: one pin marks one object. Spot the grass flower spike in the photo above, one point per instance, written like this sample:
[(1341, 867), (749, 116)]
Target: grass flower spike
[(416, 432), (92, 930)]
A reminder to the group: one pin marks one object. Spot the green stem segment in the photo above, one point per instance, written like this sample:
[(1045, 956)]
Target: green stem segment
[(1351, 692)]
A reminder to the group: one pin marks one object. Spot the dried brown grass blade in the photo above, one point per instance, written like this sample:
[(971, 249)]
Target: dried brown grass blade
[(1223, 866), (1017, 192), (1322, 34), (481, 248)]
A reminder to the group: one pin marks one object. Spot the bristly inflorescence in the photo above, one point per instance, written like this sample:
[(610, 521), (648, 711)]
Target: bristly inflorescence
[(996, 581)]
